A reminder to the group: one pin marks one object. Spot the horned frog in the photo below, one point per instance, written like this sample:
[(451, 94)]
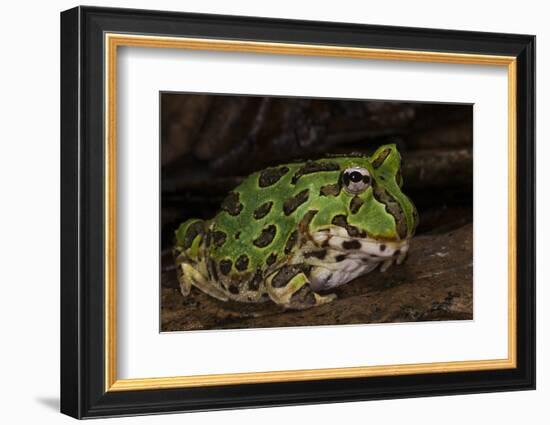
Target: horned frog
[(291, 233)]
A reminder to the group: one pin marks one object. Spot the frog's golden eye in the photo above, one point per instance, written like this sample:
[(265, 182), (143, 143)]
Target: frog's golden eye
[(356, 179)]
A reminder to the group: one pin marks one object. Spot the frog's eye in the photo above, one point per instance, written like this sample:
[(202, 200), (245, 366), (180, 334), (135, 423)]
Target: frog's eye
[(356, 179)]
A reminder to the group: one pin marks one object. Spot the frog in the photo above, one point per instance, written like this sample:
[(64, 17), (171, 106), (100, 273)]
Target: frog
[(294, 232)]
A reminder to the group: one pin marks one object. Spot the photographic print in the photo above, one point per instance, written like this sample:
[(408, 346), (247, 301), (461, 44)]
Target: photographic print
[(323, 194), (290, 211)]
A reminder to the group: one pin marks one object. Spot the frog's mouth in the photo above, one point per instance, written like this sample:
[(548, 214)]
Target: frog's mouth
[(386, 251)]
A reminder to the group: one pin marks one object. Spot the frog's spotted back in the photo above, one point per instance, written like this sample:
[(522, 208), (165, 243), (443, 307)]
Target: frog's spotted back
[(307, 214)]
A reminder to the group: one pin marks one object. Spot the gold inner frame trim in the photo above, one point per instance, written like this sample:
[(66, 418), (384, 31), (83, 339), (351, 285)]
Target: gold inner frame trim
[(113, 41)]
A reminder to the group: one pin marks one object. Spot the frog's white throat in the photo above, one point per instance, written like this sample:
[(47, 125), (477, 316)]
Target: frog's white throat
[(348, 257)]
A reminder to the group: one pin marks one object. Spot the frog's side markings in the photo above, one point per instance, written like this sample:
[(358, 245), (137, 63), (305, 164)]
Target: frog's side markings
[(340, 258), (392, 207), (263, 210), (291, 241), (320, 254), (208, 238), (286, 273), (291, 204), (303, 226), (314, 167), (234, 289), (212, 270), (353, 244), (237, 235), (194, 230), (270, 260), (355, 204), (266, 237), (254, 283), (225, 266), (270, 176), (242, 263), (330, 190), (379, 160), (218, 237), (341, 221), (231, 204)]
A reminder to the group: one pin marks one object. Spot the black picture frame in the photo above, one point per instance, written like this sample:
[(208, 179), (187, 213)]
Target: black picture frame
[(83, 392)]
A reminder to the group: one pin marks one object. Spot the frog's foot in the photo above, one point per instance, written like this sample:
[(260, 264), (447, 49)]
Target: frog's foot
[(189, 276), (290, 288), (399, 258)]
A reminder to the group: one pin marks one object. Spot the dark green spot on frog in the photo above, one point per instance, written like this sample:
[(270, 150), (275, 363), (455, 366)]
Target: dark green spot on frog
[(291, 232)]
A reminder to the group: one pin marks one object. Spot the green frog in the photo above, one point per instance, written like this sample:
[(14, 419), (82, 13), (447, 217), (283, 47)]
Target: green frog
[(293, 232)]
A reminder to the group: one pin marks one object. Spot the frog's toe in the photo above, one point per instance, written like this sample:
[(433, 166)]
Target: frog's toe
[(325, 299), (305, 298)]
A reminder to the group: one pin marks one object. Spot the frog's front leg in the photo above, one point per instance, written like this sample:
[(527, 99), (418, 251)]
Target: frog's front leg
[(289, 287)]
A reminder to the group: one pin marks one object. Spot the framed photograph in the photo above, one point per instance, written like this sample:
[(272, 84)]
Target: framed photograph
[(261, 212)]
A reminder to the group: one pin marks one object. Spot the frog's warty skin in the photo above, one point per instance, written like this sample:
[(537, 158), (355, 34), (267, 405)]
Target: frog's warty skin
[(292, 230)]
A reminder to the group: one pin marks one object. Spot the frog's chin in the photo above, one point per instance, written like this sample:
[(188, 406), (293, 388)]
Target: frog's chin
[(339, 240), (346, 258)]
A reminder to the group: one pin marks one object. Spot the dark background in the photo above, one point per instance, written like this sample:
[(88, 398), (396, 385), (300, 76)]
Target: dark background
[(210, 142)]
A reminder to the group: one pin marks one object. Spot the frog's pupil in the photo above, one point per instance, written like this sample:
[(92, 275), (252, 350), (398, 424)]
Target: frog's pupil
[(356, 176)]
